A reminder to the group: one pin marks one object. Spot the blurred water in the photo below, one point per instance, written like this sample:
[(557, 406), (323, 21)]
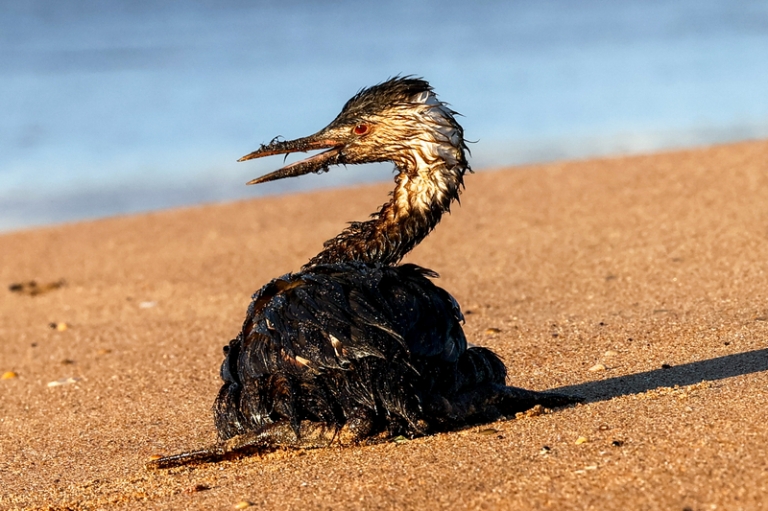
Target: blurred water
[(117, 107)]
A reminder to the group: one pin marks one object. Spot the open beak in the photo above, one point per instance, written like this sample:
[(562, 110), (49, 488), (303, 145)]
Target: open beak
[(317, 163)]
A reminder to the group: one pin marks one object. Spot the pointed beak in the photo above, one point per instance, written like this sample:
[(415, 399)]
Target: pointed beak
[(317, 163)]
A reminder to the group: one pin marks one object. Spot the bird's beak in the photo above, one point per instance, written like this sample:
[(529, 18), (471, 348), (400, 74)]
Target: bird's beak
[(316, 163)]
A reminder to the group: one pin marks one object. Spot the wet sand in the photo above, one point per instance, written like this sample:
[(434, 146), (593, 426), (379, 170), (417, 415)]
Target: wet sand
[(640, 283)]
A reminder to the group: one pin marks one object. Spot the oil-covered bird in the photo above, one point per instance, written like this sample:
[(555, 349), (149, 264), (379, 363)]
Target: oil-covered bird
[(355, 347)]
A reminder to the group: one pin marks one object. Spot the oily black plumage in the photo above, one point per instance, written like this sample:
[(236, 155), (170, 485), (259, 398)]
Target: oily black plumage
[(380, 345), (353, 347)]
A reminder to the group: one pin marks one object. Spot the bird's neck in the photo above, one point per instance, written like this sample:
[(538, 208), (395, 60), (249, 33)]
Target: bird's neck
[(429, 180)]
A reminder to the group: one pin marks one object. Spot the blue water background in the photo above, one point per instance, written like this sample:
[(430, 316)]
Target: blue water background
[(117, 107)]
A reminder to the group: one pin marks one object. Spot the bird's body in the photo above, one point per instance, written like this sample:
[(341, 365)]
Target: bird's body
[(354, 347), (370, 348)]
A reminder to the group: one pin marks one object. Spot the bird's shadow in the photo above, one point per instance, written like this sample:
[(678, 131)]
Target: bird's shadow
[(669, 376)]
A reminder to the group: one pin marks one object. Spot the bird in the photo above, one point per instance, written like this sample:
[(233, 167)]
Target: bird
[(354, 347)]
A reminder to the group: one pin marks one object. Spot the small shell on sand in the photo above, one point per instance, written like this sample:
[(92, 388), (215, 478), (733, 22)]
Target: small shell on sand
[(63, 381)]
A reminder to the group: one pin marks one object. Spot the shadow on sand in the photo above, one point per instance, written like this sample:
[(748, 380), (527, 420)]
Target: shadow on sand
[(685, 374)]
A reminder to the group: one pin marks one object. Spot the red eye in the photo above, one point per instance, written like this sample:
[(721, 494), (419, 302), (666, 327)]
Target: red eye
[(361, 129)]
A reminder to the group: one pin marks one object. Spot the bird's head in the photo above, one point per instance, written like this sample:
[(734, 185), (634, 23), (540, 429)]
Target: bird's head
[(400, 120)]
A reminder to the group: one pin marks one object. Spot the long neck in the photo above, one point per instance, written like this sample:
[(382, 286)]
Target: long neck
[(425, 188)]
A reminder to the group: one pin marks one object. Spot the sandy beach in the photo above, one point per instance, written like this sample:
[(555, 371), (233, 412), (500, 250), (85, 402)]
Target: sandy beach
[(639, 283)]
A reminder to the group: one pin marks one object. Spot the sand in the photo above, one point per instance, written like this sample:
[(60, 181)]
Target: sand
[(640, 283)]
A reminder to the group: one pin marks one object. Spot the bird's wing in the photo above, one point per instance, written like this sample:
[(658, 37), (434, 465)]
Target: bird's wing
[(319, 320), (428, 318), (331, 316)]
